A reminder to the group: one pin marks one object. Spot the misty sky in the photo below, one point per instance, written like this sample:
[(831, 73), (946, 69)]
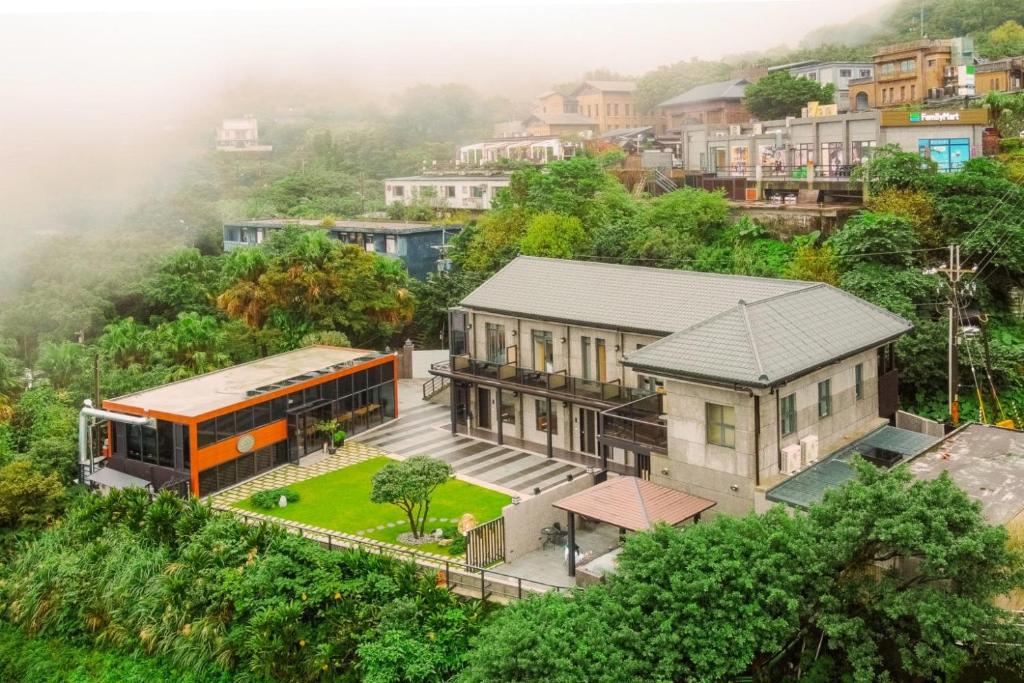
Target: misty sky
[(93, 99)]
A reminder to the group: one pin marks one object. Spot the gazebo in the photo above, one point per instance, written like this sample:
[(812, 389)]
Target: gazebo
[(631, 504)]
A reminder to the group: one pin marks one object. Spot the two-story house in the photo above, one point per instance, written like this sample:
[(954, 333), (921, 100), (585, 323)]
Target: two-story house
[(710, 103), (470, 191), (610, 104), (696, 381)]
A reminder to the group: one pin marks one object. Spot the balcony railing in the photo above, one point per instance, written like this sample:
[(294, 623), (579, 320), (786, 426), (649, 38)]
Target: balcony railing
[(638, 422), (555, 382), (841, 171)]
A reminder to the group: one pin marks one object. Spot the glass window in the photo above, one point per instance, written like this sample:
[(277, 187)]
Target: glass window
[(373, 376), (543, 419), (477, 190), (860, 151), (508, 408), (243, 420), (494, 334), (721, 425), (278, 408), (387, 372), (390, 244), (311, 394), (788, 414), (329, 390), (134, 440), (149, 445), (344, 385), (825, 398), (261, 414), (207, 433), (845, 73), (865, 73), (833, 158), (858, 381), (187, 450), (543, 351), (601, 359), (359, 381), (585, 356), (225, 426), (948, 153), (165, 443)]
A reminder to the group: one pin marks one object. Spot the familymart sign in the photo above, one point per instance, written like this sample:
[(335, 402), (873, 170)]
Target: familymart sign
[(935, 118)]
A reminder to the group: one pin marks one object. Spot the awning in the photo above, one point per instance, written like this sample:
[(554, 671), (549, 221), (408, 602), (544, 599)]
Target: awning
[(106, 476), (808, 486), (634, 504)]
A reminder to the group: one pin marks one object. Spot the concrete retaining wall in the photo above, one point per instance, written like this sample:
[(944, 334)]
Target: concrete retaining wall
[(524, 521), (421, 361), (921, 425)]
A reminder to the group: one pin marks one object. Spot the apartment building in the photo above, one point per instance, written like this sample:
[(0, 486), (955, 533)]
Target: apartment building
[(555, 103), (837, 74), (710, 103), (473, 192), (695, 381), (240, 135), (416, 244), (1001, 75), (566, 125), (911, 73), (609, 103)]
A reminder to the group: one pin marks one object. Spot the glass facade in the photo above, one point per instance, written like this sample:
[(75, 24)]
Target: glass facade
[(152, 445), (243, 467), (948, 153)]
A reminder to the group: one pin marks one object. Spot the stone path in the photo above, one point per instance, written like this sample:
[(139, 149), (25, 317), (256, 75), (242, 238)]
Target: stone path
[(424, 429)]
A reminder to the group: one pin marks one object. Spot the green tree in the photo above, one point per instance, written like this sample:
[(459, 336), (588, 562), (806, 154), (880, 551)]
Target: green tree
[(906, 589), (890, 168), (27, 498), (914, 205), (780, 94), (185, 281), (814, 264), (674, 226), (878, 237), (492, 242), (409, 485), (62, 362), (126, 342), (1006, 40), (553, 235)]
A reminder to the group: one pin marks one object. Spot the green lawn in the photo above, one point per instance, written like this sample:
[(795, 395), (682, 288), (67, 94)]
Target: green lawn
[(340, 500)]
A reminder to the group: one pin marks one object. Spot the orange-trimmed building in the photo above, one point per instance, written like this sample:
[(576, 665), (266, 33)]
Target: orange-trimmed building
[(223, 427)]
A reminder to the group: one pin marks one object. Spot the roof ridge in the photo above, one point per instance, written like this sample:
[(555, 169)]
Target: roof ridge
[(641, 503), (742, 305)]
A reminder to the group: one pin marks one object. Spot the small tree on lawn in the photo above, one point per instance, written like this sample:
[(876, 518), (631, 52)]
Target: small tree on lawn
[(409, 484)]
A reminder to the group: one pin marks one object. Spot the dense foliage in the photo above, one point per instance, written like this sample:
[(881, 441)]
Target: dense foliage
[(210, 595), (779, 95), (877, 581)]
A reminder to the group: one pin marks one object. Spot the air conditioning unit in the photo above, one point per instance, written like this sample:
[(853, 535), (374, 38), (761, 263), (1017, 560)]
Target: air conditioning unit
[(791, 459), (809, 449)]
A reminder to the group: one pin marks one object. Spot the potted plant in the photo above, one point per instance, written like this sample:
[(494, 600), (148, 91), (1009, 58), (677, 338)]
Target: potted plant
[(339, 438), (327, 428)]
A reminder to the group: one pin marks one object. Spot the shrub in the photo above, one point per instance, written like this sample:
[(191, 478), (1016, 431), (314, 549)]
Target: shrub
[(267, 500), (458, 546)]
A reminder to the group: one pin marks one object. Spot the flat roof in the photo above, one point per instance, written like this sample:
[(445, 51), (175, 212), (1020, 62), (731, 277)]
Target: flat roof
[(634, 504), (987, 462), (115, 479), (197, 396), (808, 486), (433, 178), (399, 227)]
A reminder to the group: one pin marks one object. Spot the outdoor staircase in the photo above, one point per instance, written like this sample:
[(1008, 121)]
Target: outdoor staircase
[(434, 386), (662, 182)]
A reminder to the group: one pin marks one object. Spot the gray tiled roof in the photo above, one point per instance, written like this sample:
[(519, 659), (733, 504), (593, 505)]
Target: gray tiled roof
[(630, 298), (766, 342), (723, 90)]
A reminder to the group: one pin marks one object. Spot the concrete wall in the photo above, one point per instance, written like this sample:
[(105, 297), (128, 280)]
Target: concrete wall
[(726, 474), (524, 521), (421, 361)]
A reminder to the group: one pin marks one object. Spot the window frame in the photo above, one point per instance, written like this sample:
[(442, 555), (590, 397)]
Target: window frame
[(787, 414), (540, 411), (726, 430), (825, 400), (858, 381)]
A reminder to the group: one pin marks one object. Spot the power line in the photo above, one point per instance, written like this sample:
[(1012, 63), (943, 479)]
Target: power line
[(620, 259)]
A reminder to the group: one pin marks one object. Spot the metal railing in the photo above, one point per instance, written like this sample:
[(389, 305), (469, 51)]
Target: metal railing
[(434, 386), (476, 582), (841, 171), (638, 422), (556, 382)]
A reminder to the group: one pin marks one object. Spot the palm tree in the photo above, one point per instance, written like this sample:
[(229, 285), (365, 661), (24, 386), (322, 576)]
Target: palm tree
[(126, 342), (62, 362), (247, 297)]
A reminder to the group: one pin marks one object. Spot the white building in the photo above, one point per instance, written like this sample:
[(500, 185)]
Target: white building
[(836, 73), (538, 150), (240, 135), (454, 191)]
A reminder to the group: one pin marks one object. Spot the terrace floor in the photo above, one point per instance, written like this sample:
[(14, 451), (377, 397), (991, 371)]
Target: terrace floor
[(548, 565)]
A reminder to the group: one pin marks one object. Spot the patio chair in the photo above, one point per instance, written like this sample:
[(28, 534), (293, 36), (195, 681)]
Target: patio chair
[(553, 535)]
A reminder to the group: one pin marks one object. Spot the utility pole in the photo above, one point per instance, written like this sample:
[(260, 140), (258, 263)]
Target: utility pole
[(954, 273)]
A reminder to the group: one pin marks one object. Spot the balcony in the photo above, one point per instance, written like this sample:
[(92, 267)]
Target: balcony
[(636, 426), (557, 385)]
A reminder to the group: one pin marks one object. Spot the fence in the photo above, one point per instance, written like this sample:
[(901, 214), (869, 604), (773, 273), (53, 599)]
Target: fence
[(465, 579), (485, 543)]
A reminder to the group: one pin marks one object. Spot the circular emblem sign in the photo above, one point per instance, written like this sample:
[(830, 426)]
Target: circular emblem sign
[(246, 443)]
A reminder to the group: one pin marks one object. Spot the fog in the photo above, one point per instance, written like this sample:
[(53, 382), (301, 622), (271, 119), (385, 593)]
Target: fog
[(104, 105)]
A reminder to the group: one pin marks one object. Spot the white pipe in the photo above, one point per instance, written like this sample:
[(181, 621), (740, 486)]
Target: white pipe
[(83, 428)]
